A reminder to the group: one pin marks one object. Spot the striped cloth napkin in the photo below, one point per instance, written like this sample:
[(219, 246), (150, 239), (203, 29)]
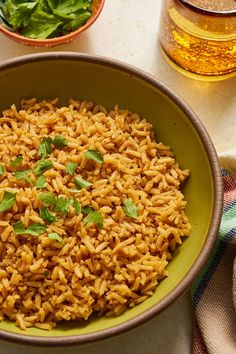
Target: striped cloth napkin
[(214, 292)]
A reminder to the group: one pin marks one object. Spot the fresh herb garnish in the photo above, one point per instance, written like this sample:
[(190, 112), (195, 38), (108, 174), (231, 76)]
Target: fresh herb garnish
[(59, 141), (81, 183), (42, 166), (45, 146), (94, 155), (94, 217), (130, 209), (71, 167), (46, 215), (77, 206), (2, 170), (54, 236), (41, 182), (87, 209), (75, 190), (48, 199), (18, 160), (24, 174), (7, 201), (62, 204), (34, 229)]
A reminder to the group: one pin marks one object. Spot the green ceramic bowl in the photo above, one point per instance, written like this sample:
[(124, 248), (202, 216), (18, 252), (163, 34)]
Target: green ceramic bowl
[(107, 82)]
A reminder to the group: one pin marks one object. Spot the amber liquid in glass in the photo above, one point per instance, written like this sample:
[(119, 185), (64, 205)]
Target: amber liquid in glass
[(201, 43)]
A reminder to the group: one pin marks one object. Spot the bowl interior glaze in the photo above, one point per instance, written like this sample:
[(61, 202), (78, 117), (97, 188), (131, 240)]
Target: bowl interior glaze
[(66, 75)]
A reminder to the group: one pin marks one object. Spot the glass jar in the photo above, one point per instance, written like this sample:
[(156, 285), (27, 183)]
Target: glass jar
[(199, 36)]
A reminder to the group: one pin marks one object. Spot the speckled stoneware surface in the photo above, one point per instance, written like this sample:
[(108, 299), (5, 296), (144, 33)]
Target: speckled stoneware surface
[(66, 75)]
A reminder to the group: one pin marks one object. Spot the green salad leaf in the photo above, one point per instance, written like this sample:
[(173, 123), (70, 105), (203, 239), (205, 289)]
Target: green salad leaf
[(35, 229), (43, 5), (130, 209), (94, 155), (76, 23), (94, 217), (18, 12), (41, 25), (42, 19), (7, 201), (66, 7)]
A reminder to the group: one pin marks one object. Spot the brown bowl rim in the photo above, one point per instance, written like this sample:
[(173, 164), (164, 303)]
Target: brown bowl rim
[(200, 261), (57, 40)]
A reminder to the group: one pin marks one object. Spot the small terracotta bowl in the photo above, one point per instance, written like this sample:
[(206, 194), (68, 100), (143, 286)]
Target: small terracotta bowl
[(52, 42)]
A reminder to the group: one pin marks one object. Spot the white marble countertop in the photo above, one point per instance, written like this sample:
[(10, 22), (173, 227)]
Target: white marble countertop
[(127, 30)]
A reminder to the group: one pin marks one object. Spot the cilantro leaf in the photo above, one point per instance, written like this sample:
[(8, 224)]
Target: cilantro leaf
[(24, 174), (77, 206), (45, 146), (34, 229), (2, 170), (81, 183), (18, 160), (41, 182), (94, 217), (130, 209), (42, 166), (87, 209), (62, 204), (71, 167), (46, 215), (7, 201), (48, 199), (94, 155), (56, 237), (59, 141), (18, 227), (74, 190)]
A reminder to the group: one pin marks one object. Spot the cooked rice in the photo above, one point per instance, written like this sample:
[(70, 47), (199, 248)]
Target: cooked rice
[(97, 270)]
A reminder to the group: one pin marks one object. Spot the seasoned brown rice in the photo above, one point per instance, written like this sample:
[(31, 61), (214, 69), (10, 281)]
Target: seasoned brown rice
[(96, 270)]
